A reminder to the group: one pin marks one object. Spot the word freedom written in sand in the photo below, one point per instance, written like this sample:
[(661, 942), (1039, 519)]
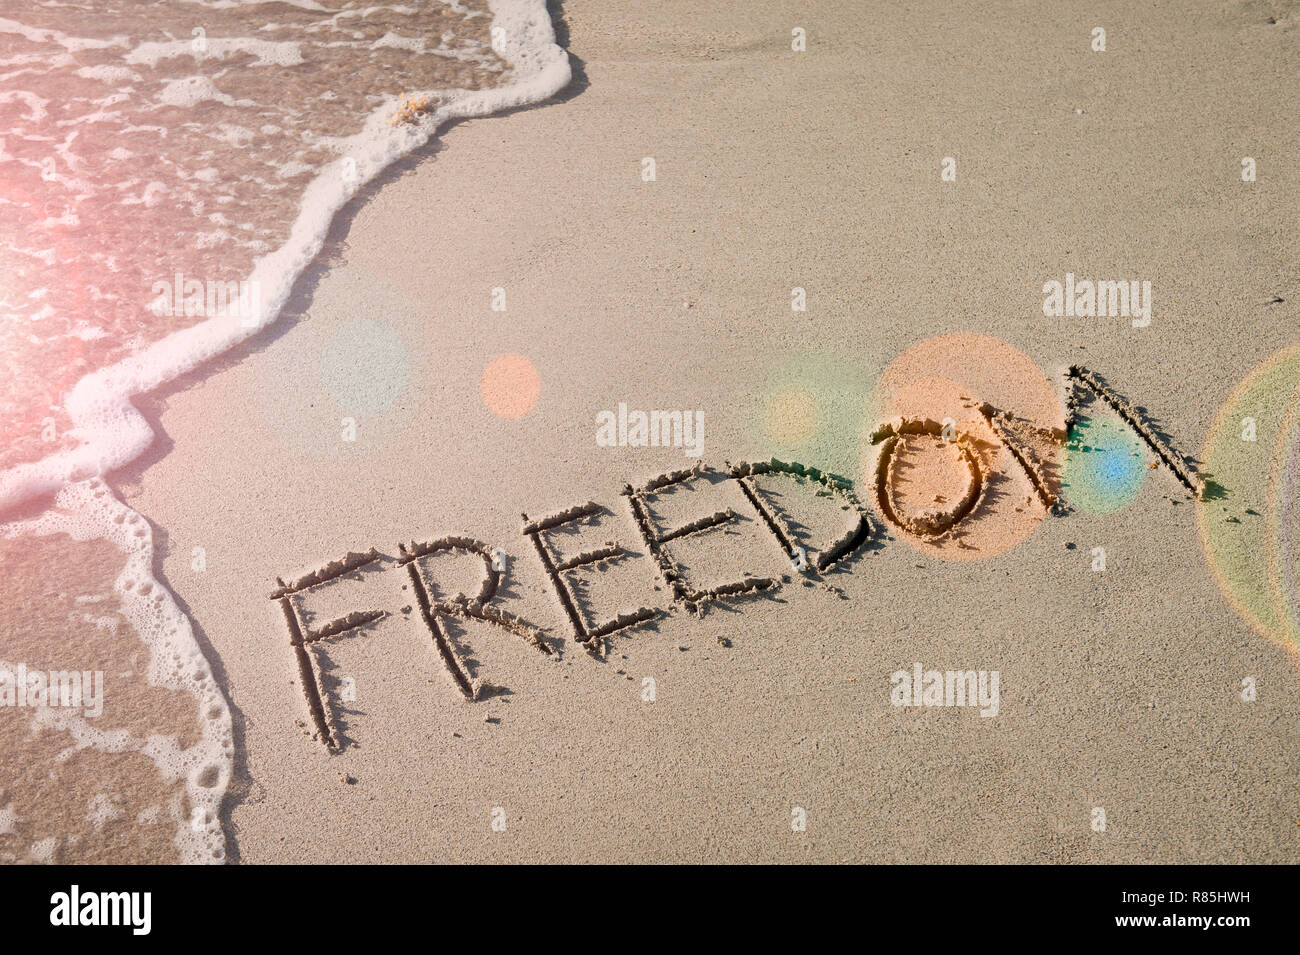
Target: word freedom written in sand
[(927, 524)]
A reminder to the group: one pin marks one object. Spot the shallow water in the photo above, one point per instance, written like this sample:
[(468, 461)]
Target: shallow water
[(167, 170), (151, 152)]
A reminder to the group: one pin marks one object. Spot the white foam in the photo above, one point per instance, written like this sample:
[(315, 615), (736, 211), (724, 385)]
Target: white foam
[(393, 41), (227, 4), (35, 104), (192, 90), (110, 75), (102, 809), (268, 52), (43, 852), (70, 43)]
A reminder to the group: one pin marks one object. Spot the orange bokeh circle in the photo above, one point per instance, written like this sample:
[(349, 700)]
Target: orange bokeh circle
[(950, 384), (510, 386)]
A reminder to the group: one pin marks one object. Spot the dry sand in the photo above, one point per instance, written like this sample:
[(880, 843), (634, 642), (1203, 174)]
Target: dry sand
[(774, 170)]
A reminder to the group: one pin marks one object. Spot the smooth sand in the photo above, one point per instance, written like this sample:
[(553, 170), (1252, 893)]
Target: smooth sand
[(774, 170)]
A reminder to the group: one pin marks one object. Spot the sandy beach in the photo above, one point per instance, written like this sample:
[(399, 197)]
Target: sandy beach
[(913, 178)]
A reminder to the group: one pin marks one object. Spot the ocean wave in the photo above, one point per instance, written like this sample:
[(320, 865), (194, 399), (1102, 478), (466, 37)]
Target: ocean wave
[(168, 173)]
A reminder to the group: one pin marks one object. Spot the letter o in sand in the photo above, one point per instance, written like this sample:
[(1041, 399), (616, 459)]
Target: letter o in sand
[(510, 386), (966, 461)]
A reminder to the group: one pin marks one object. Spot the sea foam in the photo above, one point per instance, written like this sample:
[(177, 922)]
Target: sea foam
[(106, 429), (109, 430)]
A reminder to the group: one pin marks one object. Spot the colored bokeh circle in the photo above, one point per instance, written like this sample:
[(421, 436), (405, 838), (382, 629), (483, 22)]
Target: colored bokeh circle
[(510, 386), (1249, 516), (1105, 466), (982, 394)]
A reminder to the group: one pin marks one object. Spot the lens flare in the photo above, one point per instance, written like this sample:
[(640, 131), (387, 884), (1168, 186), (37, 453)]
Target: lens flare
[(935, 396), (510, 386), (812, 408), (40, 278), (1105, 466), (364, 366), (1250, 515), (792, 416)]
